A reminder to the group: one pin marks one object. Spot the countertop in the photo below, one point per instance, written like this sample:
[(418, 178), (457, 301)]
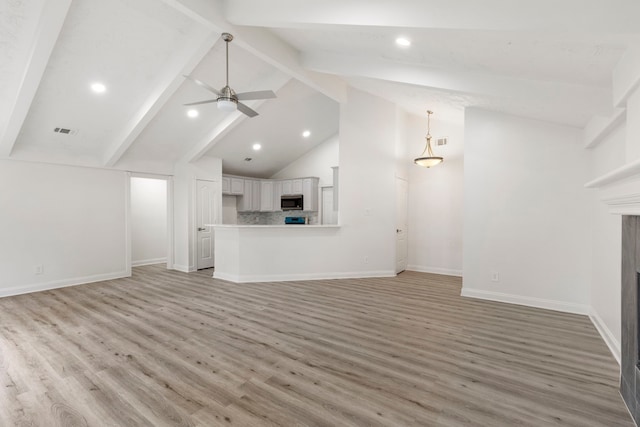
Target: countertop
[(272, 226)]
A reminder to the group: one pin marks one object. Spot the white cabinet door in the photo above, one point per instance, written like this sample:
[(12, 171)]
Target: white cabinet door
[(237, 186), (255, 202), (245, 202), (296, 186), (266, 196), (287, 187), (310, 194), (226, 185), (277, 195)]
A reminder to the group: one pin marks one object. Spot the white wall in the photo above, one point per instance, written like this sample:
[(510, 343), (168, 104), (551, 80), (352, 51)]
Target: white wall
[(526, 212), (69, 220), (317, 162), (633, 127), (148, 221), (436, 199)]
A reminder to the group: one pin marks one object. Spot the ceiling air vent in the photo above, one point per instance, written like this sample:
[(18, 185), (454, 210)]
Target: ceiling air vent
[(442, 140), (66, 131)]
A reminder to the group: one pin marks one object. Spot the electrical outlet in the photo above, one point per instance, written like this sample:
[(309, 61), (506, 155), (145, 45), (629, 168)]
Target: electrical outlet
[(367, 211), (38, 269), (495, 276)]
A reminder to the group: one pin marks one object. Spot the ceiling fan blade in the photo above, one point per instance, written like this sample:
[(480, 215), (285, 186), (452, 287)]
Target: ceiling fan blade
[(204, 85), (208, 101), (259, 94), (246, 110)]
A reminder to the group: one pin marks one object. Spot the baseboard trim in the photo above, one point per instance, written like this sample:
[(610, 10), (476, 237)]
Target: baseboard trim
[(183, 268), (606, 334), (63, 283), (566, 307), (303, 276), (435, 270), (149, 262)]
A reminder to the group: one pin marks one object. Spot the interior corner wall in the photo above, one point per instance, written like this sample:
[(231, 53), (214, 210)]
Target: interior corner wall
[(317, 162), (71, 221), (148, 221), (527, 214), (435, 219)]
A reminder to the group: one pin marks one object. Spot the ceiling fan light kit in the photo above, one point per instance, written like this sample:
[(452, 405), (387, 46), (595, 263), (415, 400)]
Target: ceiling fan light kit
[(427, 159), (227, 99)]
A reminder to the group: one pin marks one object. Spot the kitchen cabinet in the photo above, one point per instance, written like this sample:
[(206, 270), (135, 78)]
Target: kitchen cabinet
[(287, 187), (237, 186), (250, 200), (263, 195), (245, 203), (277, 194), (232, 185), (296, 186), (255, 203), (309, 187), (291, 187), (266, 196)]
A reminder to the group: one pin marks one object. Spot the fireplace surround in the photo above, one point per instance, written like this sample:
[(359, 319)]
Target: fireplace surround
[(630, 350), (620, 191)]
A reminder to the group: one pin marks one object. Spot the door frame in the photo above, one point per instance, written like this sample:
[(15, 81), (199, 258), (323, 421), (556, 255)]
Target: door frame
[(406, 222), (170, 241)]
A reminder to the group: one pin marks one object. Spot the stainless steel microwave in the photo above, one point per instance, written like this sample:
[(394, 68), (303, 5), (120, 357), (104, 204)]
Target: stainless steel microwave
[(291, 203)]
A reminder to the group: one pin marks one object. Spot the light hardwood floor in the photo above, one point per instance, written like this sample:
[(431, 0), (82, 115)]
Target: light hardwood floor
[(163, 348)]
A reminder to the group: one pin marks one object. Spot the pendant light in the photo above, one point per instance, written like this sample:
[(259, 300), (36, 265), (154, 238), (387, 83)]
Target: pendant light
[(427, 159)]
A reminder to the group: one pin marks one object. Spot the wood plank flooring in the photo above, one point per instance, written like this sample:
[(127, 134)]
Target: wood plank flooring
[(164, 348)]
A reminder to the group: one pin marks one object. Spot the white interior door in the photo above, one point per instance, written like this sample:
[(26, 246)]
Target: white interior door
[(205, 214), (402, 245)]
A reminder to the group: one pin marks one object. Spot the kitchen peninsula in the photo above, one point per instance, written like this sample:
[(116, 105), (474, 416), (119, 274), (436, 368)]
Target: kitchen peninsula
[(259, 246), (260, 253)]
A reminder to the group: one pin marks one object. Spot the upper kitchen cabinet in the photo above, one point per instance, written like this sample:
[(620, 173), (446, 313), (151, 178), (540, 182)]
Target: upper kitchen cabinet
[(266, 196), (309, 187), (232, 186)]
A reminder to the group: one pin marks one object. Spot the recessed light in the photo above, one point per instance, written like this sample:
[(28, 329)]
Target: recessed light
[(402, 41), (98, 88), (192, 113), (257, 146), (306, 133)]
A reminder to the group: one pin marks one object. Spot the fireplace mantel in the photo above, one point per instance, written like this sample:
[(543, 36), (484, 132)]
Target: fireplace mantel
[(620, 189)]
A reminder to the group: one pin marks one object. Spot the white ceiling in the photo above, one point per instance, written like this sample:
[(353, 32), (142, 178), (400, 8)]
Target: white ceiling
[(547, 60)]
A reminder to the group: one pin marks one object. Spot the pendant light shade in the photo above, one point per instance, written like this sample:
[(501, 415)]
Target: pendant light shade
[(427, 158)]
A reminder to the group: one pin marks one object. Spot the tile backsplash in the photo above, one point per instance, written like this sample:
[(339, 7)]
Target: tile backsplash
[(273, 218)]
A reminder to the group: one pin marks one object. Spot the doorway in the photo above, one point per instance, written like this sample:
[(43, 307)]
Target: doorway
[(149, 219)]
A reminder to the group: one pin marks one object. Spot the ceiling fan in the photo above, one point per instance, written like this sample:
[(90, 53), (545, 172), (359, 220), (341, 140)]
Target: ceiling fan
[(227, 99)]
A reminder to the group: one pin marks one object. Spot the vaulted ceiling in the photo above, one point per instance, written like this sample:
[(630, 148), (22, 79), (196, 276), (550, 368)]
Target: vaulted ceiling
[(546, 60)]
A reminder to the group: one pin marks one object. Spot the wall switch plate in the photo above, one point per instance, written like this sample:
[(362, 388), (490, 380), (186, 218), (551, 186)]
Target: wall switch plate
[(495, 277), (367, 211), (38, 269), (366, 260)]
